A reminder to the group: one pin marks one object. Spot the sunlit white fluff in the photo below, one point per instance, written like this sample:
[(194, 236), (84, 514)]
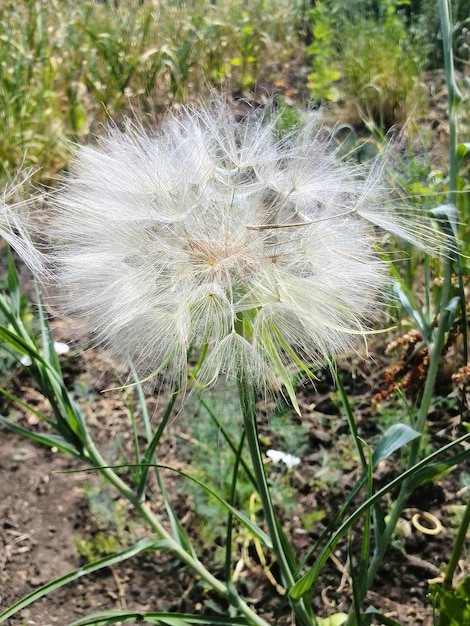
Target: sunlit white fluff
[(213, 236), (15, 223)]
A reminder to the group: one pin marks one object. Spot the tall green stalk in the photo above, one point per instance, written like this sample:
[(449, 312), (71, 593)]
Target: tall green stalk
[(303, 614), (173, 546), (453, 97)]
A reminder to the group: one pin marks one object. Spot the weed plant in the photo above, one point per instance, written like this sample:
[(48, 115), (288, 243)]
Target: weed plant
[(104, 70)]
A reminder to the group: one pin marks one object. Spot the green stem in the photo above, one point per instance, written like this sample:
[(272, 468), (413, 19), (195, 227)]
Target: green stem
[(453, 94), (247, 400), (457, 548), (197, 567), (404, 492), (454, 98)]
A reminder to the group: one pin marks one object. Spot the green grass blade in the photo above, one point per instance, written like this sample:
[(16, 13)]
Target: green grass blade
[(104, 618), (247, 523), (394, 437), (143, 545), (52, 441), (422, 471), (226, 436)]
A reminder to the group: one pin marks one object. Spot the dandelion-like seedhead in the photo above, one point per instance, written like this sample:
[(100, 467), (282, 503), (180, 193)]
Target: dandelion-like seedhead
[(215, 237), (16, 222)]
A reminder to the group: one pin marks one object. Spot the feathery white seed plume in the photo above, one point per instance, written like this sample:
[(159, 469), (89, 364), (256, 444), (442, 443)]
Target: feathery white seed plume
[(212, 234), (15, 223)]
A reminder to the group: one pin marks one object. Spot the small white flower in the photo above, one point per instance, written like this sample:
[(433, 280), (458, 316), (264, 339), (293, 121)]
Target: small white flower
[(214, 237), (277, 456), (61, 348)]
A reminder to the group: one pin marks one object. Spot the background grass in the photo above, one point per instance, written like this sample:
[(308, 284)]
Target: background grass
[(66, 66)]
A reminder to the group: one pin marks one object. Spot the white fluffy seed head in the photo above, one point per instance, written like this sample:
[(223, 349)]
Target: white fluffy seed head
[(213, 236), (16, 224)]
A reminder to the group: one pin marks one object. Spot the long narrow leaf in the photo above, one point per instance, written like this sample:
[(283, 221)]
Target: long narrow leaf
[(235, 449), (20, 345), (394, 437), (245, 521), (52, 441), (143, 545), (50, 355), (104, 618), (413, 310)]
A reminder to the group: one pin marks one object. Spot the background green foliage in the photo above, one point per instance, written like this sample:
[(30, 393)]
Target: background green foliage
[(66, 67)]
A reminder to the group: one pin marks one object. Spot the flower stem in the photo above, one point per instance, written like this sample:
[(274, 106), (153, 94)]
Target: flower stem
[(247, 399), (457, 548)]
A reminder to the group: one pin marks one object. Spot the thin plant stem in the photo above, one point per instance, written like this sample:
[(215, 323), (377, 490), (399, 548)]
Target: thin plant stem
[(454, 97), (247, 400), (228, 537), (415, 447), (349, 414), (457, 548)]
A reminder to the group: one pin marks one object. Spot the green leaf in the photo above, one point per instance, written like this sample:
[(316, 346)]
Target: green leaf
[(19, 344), (143, 545), (393, 439), (52, 441), (13, 284), (453, 605), (245, 521), (448, 217), (103, 618), (337, 619), (50, 354), (372, 613), (429, 472), (463, 151), (413, 311), (421, 472)]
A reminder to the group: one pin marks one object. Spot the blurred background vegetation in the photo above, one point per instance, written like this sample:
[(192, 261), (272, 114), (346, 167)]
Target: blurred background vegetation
[(66, 66)]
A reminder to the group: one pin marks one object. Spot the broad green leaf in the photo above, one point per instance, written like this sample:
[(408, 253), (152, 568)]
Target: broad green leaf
[(393, 439)]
